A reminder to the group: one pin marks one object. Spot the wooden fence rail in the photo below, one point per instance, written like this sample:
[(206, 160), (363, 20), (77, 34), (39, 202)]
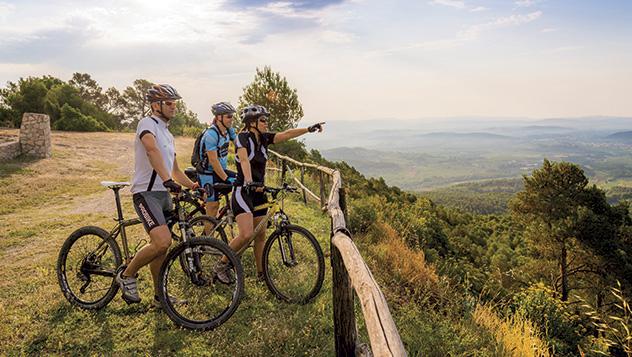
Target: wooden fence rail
[(349, 273)]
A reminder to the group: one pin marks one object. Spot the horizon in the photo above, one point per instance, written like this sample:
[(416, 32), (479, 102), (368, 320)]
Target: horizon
[(348, 59)]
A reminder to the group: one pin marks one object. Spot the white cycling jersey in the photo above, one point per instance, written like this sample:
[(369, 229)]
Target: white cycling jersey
[(145, 177)]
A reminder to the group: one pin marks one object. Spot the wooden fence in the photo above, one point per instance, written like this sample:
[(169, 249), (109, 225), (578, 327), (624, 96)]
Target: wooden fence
[(350, 272)]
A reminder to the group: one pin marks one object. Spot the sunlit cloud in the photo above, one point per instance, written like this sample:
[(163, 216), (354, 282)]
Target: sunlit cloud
[(474, 31), (451, 3), (527, 3)]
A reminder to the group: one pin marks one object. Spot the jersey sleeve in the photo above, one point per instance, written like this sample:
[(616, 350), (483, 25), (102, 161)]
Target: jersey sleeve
[(146, 126), (231, 134), (268, 138), (211, 140), (242, 141)]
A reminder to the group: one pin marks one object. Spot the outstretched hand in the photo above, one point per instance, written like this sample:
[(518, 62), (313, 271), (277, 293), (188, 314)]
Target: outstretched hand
[(317, 126)]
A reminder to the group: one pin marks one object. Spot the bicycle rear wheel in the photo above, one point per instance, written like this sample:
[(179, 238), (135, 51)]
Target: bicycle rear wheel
[(86, 267), (293, 265), (207, 302), (207, 226)]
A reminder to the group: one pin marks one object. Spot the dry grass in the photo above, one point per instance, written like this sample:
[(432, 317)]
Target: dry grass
[(407, 268), (516, 336)]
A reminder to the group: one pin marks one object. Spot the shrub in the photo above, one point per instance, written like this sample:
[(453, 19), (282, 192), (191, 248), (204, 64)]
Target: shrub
[(362, 214), (191, 131), (73, 120), (561, 329)]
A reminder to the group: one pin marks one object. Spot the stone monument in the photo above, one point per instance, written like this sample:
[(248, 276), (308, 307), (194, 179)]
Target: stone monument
[(35, 135)]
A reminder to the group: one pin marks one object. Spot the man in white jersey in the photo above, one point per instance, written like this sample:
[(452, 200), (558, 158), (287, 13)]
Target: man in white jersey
[(155, 169)]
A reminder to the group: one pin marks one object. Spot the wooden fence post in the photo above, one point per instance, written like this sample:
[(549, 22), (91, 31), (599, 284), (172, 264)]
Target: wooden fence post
[(322, 189), (303, 182), (283, 170), (344, 313)]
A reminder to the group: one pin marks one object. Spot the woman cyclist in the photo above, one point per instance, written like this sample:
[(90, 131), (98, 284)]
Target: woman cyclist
[(251, 157)]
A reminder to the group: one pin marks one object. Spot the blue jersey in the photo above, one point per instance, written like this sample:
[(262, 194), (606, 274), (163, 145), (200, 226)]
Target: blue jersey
[(213, 140)]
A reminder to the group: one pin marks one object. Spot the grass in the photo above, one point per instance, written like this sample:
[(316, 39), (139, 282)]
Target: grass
[(515, 336), (44, 201)]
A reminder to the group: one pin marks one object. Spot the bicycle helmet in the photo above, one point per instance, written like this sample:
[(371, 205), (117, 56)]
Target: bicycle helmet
[(222, 108), (162, 92), (253, 112)]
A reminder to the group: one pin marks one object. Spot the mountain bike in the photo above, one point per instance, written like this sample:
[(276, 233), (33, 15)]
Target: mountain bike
[(90, 258), (293, 262)]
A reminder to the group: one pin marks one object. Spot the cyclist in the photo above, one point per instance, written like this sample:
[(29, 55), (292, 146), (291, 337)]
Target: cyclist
[(251, 156), (155, 169), (214, 164)]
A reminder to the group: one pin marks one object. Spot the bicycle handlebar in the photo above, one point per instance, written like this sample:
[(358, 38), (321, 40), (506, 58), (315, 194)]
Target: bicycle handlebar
[(285, 187)]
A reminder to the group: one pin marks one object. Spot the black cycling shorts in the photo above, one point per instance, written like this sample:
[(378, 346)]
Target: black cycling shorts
[(151, 207), (241, 202)]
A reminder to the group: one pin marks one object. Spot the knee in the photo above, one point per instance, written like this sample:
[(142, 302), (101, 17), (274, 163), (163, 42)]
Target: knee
[(162, 244)]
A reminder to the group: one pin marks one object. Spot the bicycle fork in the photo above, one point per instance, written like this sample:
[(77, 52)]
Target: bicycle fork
[(287, 249)]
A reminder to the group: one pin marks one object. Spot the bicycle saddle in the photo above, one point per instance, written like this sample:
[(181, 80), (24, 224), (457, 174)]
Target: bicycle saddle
[(114, 185)]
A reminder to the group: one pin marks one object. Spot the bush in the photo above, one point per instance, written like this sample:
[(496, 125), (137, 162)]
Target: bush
[(562, 330), (72, 120), (191, 131), (362, 214)]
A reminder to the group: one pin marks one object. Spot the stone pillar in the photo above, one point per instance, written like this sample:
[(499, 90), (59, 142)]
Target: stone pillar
[(35, 135)]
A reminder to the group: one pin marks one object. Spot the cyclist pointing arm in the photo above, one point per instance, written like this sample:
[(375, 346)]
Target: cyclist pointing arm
[(251, 149)]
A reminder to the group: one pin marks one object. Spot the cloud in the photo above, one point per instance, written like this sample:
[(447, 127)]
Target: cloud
[(457, 4), (527, 3), (295, 5), (6, 8), (474, 31), (45, 45), (451, 3), (471, 33), (546, 30)]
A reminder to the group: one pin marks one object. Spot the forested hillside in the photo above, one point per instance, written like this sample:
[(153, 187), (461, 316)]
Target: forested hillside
[(551, 258)]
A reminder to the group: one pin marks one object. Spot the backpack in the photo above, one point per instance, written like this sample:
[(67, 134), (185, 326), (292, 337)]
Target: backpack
[(199, 160)]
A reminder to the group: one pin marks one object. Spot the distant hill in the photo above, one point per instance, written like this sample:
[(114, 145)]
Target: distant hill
[(621, 136), (461, 136)]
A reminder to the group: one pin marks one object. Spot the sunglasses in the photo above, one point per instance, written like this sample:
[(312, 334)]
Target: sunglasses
[(263, 120), (229, 116), (169, 103)]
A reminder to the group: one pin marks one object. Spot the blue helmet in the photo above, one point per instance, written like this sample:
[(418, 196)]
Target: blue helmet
[(222, 108)]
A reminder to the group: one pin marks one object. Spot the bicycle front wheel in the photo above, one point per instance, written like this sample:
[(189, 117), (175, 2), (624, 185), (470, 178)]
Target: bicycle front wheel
[(86, 267), (293, 265), (202, 301)]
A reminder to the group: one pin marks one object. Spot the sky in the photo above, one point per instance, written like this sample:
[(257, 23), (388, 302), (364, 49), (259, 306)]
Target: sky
[(348, 60)]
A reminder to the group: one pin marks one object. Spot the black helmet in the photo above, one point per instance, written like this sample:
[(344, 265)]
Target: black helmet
[(222, 108), (160, 92), (252, 112)]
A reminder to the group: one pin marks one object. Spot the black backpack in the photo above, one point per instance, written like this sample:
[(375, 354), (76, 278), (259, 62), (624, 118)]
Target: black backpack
[(199, 160)]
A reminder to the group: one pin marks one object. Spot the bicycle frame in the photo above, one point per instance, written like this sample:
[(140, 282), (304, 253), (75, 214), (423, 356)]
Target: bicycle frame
[(122, 223), (273, 207)]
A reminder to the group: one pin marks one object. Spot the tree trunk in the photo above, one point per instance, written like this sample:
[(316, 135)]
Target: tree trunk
[(563, 271)]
